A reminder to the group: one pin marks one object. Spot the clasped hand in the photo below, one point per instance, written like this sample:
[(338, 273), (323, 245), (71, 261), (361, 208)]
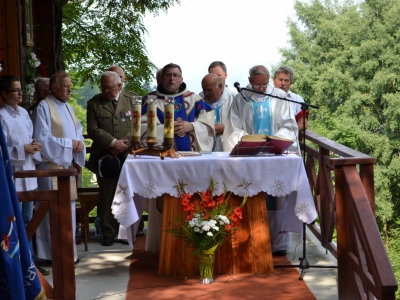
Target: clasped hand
[(33, 147), (181, 127), (119, 146), (77, 146)]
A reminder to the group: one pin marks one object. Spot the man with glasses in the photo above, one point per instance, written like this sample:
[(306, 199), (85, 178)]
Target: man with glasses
[(254, 113), (194, 119), (109, 126)]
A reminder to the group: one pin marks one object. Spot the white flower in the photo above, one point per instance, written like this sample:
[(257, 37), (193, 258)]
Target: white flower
[(31, 89), (1, 67), (196, 229), (34, 61), (223, 219), (209, 233), (216, 228), (206, 227), (212, 222)]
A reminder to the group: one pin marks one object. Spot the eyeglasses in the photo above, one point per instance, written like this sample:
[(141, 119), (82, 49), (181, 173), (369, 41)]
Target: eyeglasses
[(16, 91), (174, 75), (257, 86), (106, 89)]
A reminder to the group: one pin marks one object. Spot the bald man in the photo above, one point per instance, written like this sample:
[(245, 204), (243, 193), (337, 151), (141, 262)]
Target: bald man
[(218, 96), (119, 71), (219, 68)]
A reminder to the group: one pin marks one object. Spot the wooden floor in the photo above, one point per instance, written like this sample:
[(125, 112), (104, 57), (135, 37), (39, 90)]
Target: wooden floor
[(144, 282)]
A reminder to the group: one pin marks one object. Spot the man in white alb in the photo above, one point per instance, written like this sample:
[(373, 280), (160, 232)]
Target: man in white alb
[(253, 113), (60, 133)]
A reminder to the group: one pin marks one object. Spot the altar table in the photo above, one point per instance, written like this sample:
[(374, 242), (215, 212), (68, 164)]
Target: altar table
[(150, 177)]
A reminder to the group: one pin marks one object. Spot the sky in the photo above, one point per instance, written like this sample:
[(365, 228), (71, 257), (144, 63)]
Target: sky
[(239, 33)]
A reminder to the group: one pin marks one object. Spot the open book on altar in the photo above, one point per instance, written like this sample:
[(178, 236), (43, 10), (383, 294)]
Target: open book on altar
[(254, 144)]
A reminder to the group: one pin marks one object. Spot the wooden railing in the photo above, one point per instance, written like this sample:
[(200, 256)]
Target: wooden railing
[(342, 182), (58, 204)]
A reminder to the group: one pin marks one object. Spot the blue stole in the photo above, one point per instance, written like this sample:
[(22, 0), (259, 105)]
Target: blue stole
[(17, 270), (180, 111), (262, 118), (217, 118)]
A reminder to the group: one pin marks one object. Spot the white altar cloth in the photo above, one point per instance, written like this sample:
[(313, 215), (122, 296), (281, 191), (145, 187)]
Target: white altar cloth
[(149, 176)]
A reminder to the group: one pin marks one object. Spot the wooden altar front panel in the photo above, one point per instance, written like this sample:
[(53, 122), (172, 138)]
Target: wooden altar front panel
[(247, 251)]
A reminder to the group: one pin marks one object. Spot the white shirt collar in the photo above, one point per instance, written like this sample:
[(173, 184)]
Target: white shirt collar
[(13, 112)]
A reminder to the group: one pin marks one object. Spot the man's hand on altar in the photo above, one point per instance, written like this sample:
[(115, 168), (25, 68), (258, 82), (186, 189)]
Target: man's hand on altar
[(219, 129), (119, 146), (181, 127)]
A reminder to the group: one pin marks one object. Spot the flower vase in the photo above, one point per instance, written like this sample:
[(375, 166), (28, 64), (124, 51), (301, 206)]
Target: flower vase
[(206, 267)]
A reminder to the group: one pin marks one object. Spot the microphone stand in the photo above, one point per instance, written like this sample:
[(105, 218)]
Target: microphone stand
[(304, 264)]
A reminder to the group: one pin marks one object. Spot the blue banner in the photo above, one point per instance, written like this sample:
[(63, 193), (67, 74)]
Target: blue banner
[(18, 278)]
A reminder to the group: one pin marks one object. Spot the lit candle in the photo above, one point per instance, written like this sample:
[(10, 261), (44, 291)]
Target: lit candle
[(152, 119), (136, 118), (169, 121)]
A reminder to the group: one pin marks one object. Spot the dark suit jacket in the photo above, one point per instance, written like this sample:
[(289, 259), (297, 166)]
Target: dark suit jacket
[(104, 124)]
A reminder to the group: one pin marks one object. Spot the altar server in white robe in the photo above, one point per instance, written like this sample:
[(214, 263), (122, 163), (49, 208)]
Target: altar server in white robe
[(60, 133), (260, 114), (18, 130), (218, 96)]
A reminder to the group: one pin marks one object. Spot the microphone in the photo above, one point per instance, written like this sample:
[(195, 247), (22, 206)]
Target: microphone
[(239, 89), (237, 86)]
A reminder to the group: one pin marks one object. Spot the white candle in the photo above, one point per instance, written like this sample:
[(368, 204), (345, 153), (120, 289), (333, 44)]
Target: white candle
[(136, 118), (151, 119), (169, 118)]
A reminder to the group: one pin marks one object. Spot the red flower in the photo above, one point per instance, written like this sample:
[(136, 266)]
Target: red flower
[(238, 212), (189, 217), (211, 204), (234, 218), (220, 199), (42, 70), (206, 196), (228, 227), (206, 216)]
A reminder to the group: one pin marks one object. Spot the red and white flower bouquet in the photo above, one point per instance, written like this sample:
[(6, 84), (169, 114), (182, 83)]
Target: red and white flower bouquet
[(209, 221)]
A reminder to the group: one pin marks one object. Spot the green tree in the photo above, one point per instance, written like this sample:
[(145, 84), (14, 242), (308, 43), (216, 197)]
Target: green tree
[(347, 57), (99, 33)]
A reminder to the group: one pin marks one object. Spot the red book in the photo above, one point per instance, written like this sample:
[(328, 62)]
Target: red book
[(260, 143)]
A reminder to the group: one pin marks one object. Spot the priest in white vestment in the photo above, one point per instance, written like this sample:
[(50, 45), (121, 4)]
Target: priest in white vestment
[(60, 133), (253, 113), (218, 96)]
